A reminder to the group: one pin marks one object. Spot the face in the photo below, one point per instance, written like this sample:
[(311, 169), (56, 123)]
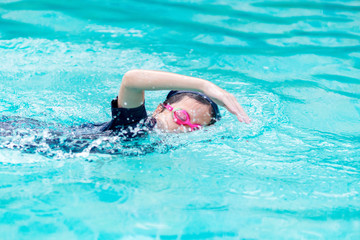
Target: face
[(199, 114)]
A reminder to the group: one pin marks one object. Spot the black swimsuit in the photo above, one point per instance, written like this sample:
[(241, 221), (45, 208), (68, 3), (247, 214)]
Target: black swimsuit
[(125, 122)]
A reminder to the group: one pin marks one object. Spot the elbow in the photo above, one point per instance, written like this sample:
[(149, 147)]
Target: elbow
[(134, 73), (130, 77)]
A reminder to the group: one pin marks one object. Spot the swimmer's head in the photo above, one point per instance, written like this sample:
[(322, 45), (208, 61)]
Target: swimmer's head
[(200, 108)]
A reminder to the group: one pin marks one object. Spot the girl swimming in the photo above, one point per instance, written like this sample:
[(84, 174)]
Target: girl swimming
[(192, 106)]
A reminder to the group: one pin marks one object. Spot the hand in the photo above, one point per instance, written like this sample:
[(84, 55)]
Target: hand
[(233, 106), (227, 100)]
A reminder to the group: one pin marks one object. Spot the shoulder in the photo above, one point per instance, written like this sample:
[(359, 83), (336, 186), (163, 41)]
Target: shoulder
[(127, 116)]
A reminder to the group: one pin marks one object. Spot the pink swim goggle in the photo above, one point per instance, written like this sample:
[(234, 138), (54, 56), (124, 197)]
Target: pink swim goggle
[(181, 117)]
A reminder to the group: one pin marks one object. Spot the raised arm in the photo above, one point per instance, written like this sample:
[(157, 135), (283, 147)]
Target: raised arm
[(135, 82)]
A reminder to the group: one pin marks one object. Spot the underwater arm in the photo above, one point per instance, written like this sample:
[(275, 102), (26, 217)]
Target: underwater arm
[(135, 82)]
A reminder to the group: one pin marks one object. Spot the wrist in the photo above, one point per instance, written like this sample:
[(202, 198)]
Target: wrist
[(204, 86), (214, 92)]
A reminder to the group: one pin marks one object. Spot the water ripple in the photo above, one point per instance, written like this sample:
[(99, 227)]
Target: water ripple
[(293, 65)]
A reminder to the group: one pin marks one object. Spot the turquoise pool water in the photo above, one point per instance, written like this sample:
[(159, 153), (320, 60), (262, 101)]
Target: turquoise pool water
[(294, 173)]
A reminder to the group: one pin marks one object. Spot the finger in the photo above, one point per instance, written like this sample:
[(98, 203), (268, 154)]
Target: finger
[(246, 119), (243, 114), (231, 110), (235, 111), (239, 111)]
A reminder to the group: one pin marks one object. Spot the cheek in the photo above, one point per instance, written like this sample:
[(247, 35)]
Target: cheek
[(174, 127), (171, 126), (180, 129), (202, 118), (206, 120)]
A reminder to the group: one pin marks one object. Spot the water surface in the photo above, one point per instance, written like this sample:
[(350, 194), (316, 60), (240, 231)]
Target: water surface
[(294, 173)]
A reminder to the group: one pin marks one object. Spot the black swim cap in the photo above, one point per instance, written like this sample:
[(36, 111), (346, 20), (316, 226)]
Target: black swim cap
[(213, 104)]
